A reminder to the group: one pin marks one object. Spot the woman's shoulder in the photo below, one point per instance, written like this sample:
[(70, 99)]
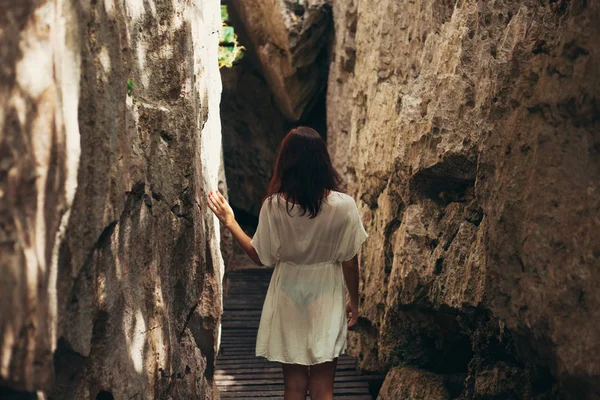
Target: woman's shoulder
[(341, 199), (271, 201)]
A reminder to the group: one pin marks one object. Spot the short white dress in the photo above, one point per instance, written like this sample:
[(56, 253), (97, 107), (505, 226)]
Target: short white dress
[(303, 319)]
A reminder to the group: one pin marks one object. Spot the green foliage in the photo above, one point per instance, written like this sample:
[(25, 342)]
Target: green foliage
[(130, 87), (224, 14), (227, 34), (230, 50)]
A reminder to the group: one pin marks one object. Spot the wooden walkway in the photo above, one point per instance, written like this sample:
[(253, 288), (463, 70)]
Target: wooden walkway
[(240, 375)]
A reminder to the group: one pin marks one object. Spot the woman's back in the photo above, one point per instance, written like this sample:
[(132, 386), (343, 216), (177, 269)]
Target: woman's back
[(303, 319)]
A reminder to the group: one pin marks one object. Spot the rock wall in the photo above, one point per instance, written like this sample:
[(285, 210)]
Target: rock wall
[(469, 133), (110, 140), (279, 83), (253, 128), (289, 40)]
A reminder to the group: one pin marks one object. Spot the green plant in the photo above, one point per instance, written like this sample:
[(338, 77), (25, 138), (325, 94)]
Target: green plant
[(224, 14), (230, 50), (130, 87)]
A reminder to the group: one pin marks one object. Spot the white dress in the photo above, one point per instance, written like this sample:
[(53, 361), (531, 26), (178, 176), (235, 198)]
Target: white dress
[(303, 319)]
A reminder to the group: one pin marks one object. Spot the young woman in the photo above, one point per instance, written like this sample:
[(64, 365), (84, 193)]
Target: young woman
[(311, 232)]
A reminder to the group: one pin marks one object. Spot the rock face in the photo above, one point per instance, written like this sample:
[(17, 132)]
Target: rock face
[(289, 39), (110, 140), (469, 133), (412, 384), (279, 83), (253, 128)]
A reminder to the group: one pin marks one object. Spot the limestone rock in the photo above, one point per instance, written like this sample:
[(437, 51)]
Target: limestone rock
[(253, 128), (254, 102), (500, 381), (111, 268), (468, 133), (289, 40), (412, 384)]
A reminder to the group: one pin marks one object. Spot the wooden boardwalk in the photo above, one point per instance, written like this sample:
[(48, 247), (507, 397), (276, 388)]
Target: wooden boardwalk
[(240, 375)]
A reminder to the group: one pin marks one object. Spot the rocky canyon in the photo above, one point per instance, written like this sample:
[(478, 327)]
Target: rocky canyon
[(280, 83), (467, 131)]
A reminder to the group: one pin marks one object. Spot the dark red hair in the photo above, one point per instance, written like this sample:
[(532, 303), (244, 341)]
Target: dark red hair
[(303, 172)]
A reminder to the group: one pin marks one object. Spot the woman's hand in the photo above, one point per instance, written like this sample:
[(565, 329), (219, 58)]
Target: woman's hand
[(219, 205), (351, 314), (351, 276)]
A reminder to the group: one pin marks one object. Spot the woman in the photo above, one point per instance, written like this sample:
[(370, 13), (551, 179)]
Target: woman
[(311, 232)]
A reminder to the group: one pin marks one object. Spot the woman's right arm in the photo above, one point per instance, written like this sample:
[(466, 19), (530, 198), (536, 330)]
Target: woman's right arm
[(219, 205), (351, 275), (244, 241)]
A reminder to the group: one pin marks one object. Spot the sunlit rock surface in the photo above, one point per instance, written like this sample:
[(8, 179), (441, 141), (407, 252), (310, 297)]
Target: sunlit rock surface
[(469, 133), (110, 140), (289, 39), (412, 384)]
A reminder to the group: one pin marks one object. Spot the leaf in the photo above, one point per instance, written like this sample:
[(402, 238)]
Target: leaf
[(230, 54), (229, 49), (130, 87), (227, 34), (224, 14)]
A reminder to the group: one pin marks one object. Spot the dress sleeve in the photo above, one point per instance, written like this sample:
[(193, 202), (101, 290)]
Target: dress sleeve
[(353, 235), (266, 240)]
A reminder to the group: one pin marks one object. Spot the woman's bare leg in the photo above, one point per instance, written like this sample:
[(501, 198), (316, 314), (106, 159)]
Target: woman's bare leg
[(321, 379), (295, 381)]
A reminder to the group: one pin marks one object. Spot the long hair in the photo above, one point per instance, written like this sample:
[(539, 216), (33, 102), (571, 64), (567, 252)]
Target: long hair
[(303, 171)]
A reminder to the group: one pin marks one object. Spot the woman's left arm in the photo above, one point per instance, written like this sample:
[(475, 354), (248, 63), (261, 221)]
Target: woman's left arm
[(219, 205)]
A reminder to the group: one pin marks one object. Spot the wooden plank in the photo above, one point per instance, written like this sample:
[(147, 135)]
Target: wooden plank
[(233, 366), (232, 359), (250, 357), (240, 342), (225, 387), (260, 375), (261, 392), (242, 369), (255, 314), (253, 364), (278, 394), (269, 397), (274, 372), (268, 381), (228, 340)]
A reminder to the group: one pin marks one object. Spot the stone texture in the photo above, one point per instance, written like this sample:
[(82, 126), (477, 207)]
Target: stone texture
[(501, 381), (253, 128), (289, 41), (412, 384), (468, 132), (39, 151), (110, 258), (278, 84)]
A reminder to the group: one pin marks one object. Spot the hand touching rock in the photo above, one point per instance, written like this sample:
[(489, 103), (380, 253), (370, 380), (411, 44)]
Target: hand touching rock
[(219, 205)]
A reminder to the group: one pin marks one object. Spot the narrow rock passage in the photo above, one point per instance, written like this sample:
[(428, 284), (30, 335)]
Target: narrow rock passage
[(241, 375)]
